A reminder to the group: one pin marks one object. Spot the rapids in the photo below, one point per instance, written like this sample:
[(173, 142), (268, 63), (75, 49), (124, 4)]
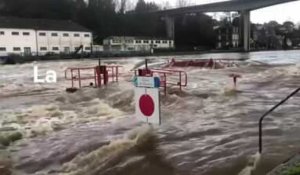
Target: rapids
[(208, 129)]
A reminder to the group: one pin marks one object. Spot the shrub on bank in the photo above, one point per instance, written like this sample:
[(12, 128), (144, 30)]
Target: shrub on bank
[(293, 171)]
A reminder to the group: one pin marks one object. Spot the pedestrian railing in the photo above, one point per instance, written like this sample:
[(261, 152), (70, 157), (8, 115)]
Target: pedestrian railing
[(270, 111)]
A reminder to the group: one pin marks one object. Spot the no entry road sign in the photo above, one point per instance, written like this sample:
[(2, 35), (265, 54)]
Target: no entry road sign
[(147, 102)]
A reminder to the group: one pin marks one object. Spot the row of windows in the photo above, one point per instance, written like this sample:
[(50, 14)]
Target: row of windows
[(64, 34), (65, 48), (144, 41), (3, 49), (16, 33), (44, 34)]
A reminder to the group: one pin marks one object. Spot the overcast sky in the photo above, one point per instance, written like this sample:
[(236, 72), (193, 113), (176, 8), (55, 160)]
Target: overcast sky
[(280, 13)]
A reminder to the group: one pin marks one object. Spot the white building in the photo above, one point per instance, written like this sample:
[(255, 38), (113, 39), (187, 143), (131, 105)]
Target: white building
[(128, 43), (40, 36)]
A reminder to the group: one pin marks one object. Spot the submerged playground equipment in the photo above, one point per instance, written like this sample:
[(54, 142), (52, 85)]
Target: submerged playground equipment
[(171, 74), (102, 75), (203, 63), (96, 76)]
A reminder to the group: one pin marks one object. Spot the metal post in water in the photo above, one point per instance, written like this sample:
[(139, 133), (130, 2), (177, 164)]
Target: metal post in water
[(146, 64)]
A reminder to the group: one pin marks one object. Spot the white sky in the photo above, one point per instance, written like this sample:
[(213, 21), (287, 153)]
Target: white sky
[(280, 13)]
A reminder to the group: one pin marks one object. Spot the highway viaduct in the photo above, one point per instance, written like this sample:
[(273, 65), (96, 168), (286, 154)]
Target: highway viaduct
[(244, 7)]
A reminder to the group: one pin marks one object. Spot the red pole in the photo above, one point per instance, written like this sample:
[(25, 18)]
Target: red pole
[(72, 78), (117, 72), (165, 84), (95, 77), (79, 80), (113, 73), (98, 76), (180, 81)]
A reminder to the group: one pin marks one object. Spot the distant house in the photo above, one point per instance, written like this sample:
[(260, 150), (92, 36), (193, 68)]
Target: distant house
[(228, 34), (25, 36), (141, 44)]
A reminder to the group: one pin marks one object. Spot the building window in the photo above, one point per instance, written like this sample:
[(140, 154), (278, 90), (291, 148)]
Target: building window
[(15, 33), (157, 41), (165, 42), (26, 33), (2, 49), (128, 41), (146, 41), (86, 35), (87, 48), (42, 34), (116, 41), (76, 35), (138, 41), (43, 48), (2, 33), (55, 48), (170, 42), (67, 50), (54, 34), (65, 34), (17, 48)]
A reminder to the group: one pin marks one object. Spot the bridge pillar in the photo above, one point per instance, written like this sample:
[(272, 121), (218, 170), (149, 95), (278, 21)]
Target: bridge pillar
[(170, 26), (246, 29)]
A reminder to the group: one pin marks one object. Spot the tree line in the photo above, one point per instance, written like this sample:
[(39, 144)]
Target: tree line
[(108, 17)]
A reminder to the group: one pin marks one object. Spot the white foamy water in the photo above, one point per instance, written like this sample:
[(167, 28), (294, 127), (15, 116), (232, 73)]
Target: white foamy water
[(207, 129)]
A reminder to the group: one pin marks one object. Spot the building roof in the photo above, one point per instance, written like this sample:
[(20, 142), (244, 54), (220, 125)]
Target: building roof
[(41, 24), (137, 38)]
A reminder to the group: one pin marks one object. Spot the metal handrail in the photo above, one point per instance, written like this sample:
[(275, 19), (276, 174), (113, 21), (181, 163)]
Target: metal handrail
[(268, 112)]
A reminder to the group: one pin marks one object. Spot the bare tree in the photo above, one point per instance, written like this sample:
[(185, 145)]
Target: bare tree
[(166, 5), (183, 3), (123, 5)]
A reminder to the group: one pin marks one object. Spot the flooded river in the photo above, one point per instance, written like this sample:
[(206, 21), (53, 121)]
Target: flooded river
[(208, 129)]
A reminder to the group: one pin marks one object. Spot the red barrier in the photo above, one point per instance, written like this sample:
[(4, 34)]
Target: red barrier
[(203, 63), (99, 75)]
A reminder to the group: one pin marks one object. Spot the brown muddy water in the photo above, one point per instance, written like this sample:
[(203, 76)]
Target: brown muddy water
[(208, 129)]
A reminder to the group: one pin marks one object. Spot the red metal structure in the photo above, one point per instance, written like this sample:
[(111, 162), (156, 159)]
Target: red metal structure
[(168, 77), (203, 63), (98, 76)]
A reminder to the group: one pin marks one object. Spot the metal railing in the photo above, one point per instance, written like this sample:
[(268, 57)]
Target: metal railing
[(79, 74), (270, 111), (170, 77)]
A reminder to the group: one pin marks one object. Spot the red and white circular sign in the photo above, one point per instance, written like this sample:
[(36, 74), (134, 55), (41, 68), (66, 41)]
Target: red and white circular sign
[(146, 104)]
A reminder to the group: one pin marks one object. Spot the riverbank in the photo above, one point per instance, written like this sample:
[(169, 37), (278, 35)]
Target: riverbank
[(289, 167)]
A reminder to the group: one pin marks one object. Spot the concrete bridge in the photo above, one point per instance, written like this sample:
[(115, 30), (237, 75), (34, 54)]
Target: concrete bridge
[(242, 6)]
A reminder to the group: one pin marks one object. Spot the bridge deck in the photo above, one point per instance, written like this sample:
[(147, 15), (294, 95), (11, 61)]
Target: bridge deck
[(227, 6)]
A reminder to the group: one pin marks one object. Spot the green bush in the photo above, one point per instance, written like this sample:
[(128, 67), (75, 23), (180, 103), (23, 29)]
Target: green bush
[(293, 171)]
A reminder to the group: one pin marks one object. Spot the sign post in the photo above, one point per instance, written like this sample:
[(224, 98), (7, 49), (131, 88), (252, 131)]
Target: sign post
[(147, 99)]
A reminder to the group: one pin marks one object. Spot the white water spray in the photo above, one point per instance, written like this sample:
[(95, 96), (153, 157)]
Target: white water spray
[(251, 165)]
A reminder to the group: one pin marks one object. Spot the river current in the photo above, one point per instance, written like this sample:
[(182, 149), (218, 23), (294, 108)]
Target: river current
[(208, 129)]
